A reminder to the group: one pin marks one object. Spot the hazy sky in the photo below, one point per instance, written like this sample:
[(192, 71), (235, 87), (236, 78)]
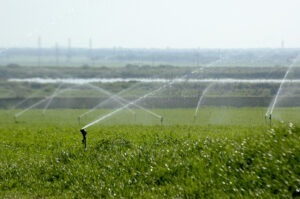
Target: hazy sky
[(151, 23)]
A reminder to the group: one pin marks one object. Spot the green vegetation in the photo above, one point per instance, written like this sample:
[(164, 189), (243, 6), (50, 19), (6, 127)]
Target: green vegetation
[(142, 71), (224, 116), (42, 156), (229, 149)]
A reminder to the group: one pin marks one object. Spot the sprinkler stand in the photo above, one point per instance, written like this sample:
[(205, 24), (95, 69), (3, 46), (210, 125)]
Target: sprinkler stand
[(84, 133)]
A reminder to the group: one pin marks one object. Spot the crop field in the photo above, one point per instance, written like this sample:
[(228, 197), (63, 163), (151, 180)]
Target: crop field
[(152, 132), (222, 153)]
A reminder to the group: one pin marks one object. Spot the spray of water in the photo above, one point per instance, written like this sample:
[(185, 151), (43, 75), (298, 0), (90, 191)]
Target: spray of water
[(112, 97), (40, 102), (201, 98), (122, 108), (167, 84), (30, 107), (279, 91), (52, 97), (25, 100)]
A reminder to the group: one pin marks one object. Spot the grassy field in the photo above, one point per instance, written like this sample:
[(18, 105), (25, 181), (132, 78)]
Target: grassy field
[(246, 116), (223, 153)]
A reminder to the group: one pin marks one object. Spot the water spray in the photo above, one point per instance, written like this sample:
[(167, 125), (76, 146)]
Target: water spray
[(167, 84), (55, 93), (134, 103), (84, 133), (115, 97), (125, 103), (46, 99), (124, 107), (30, 107), (201, 97), (274, 102)]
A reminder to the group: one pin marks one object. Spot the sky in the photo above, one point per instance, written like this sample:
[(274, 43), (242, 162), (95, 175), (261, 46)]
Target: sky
[(150, 23)]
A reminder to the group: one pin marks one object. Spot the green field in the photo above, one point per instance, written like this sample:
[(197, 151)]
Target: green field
[(223, 153), (246, 116)]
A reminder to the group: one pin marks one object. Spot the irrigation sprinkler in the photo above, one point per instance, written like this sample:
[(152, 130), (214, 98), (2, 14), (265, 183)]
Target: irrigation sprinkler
[(270, 118), (79, 119), (15, 119), (161, 120), (84, 133), (279, 91)]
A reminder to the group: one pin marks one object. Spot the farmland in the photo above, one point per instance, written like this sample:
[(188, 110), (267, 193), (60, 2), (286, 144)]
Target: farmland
[(42, 156), (223, 131)]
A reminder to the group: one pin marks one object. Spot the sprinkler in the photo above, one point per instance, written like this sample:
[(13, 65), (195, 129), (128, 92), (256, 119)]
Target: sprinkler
[(161, 120), (268, 117), (15, 119), (83, 132)]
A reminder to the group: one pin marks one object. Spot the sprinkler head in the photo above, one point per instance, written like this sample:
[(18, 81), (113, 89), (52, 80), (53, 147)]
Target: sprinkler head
[(270, 118), (83, 132)]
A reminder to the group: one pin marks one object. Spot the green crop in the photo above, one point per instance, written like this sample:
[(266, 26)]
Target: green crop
[(44, 158)]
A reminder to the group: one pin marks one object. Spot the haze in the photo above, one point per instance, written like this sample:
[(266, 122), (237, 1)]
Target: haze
[(151, 24)]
